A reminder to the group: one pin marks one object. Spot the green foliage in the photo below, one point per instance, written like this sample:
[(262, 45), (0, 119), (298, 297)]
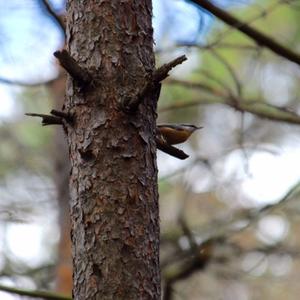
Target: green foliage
[(23, 144)]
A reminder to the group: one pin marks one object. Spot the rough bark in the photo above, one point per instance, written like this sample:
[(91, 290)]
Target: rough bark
[(113, 184)]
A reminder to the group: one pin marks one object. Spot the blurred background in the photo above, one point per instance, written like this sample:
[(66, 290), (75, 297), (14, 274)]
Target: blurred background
[(230, 213)]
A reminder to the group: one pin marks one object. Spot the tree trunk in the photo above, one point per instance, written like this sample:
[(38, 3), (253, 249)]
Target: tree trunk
[(113, 184)]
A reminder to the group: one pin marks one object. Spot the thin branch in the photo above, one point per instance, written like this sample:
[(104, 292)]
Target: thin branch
[(56, 118), (219, 45), (72, 67), (185, 271), (186, 104), (34, 294), (205, 47), (196, 261), (47, 119), (54, 15), (187, 231), (255, 107), (259, 37), (198, 85)]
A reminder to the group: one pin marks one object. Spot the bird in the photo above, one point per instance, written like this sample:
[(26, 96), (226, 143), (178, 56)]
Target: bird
[(173, 134), (168, 135)]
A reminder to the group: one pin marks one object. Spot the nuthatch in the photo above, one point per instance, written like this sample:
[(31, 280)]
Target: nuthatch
[(173, 134)]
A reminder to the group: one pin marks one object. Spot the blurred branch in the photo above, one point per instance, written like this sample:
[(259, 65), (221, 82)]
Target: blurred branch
[(9, 269), (256, 107), (237, 251), (185, 104), (275, 249), (230, 70), (196, 261), (58, 19), (259, 37), (263, 13), (26, 84), (198, 85), (227, 46), (33, 294), (227, 226), (178, 274), (204, 47), (218, 229)]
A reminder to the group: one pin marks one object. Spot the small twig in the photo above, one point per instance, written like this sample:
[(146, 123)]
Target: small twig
[(152, 84), (72, 67), (163, 72), (47, 119), (171, 150), (56, 117), (159, 75)]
